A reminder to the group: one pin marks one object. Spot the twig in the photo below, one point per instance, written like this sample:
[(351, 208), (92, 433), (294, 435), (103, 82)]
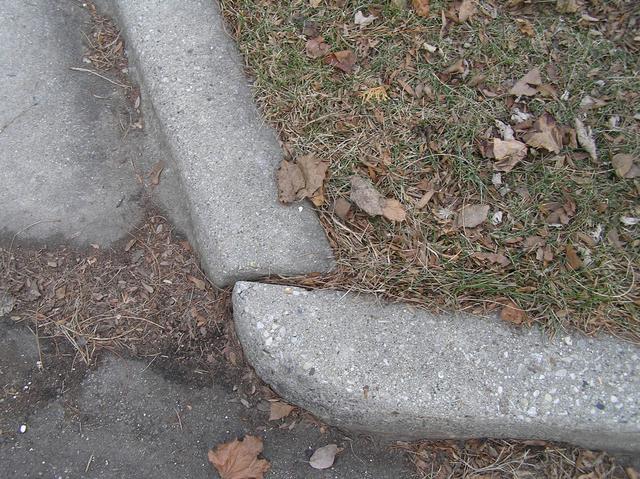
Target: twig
[(92, 72)]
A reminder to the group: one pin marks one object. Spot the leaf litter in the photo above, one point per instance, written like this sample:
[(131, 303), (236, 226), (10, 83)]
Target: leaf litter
[(542, 132)]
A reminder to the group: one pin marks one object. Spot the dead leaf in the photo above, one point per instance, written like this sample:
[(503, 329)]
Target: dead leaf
[(393, 210), (471, 216), (315, 3), (422, 202), (239, 459), (572, 257), (508, 154), (496, 258), (567, 6), (324, 457), (457, 67), (525, 27), (368, 199), (625, 165), (343, 60), (467, 10), (421, 7), (560, 214), (279, 410), (585, 139), (201, 285), (316, 47), (342, 208), (512, 313), (301, 180), (290, 181), (545, 133), (523, 87), (364, 20), (156, 171)]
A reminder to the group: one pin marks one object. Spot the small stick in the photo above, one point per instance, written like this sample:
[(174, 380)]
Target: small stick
[(86, 70), (86, 469)]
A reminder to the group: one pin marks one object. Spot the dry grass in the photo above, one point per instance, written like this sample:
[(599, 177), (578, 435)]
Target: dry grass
[(510, 459), (146, 297), (423, 130)]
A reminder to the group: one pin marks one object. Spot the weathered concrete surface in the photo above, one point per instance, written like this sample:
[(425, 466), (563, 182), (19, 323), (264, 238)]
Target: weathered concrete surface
[(193, 81), (122, 421), (64, 171), (389, 369)]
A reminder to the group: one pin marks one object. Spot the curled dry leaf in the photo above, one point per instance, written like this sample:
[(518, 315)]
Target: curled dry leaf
[(368, 199), (156, 171), (560, 214), (525, 86), (525, 27), (279, 410), (573, 259), (546, 134), (200, 284), (239, 459), (471, 216), (364, 20), (585, 139), (324, 457), (511, 313), (421, 7), (625, 165), (508, 154), (343, 60), (316, 47), (342, 208)]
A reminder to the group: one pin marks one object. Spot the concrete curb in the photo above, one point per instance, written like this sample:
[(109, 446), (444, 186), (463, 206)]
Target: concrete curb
[(408, 374), (194, 87)]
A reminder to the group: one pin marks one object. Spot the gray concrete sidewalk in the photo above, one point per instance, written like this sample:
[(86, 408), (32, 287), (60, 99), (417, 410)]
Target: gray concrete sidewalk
[(65, 172), (122, 421), (194, 86), (361, 364)]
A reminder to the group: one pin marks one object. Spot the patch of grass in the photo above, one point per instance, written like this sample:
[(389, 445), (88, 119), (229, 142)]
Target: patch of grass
[(407, 143)]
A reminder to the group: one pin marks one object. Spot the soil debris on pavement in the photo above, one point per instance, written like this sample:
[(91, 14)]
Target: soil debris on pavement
[(523, 110)]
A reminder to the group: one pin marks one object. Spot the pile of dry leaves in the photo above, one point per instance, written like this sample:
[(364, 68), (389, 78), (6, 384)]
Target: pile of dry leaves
[(463, 154)]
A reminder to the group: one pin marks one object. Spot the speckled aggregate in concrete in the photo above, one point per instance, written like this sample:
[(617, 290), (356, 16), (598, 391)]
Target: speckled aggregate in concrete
[(390, 369), (192, 76)]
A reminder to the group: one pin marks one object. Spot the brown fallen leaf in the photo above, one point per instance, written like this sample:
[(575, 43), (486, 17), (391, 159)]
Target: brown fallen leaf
[(239, 459), (560, 214), (466, 11), (496, 258), (524, 86), (455, 68), (290, 181), (342, 208), (368, 199), (546, 134), (156, 171), (393, 210), (324, 457), (279, 410), (471, 216), (625, 165), (526, 27), (572, 257), (422, 202), (585, 139), (316, 47), (343, 60), (508, 154), (302, 179), (201, 285), (567, 6), (421, 7), (512, 313)]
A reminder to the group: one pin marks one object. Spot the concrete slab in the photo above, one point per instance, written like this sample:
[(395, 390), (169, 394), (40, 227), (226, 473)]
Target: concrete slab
[(192, 81), (364, 365), (65, 172), (122, 421)]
